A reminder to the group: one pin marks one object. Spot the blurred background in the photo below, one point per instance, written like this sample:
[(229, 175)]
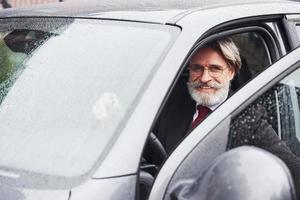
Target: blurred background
[(18, 3)]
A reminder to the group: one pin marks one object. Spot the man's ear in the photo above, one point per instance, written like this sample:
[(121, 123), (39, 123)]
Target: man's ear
[(231, 74)]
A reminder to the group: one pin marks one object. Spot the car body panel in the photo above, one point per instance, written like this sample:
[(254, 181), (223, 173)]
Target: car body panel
[(32, 194), (143, 11), (117, 188), (102, 10), (193, 23)]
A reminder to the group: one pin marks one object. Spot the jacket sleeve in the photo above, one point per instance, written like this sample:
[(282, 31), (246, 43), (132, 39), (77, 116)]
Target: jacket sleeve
[(251, 128)]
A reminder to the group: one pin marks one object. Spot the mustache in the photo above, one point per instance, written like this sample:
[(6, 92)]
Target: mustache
[(197, 84)]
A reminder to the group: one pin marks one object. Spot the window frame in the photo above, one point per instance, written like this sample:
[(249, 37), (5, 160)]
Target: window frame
[(290, 22), (270, 40)]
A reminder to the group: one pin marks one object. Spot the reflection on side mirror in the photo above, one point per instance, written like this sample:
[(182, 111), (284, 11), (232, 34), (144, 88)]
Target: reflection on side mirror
[(25, 41), (246, 173)]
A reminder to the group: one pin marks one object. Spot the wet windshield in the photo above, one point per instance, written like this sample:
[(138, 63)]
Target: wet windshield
[(67, 88)]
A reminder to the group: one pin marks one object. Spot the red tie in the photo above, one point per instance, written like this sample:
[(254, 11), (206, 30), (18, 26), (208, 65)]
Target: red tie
[(202, 113)]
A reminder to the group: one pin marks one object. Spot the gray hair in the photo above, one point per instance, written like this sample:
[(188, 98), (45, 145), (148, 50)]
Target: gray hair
[(229, 50)]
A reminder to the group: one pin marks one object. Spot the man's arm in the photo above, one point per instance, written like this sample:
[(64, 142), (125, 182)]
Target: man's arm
[(251, 128)]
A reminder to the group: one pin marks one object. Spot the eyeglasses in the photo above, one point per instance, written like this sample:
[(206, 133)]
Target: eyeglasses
[(213, 70)]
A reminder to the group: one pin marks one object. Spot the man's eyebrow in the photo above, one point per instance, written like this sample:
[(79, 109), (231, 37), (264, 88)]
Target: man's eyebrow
[(216, 65), (210, 65)]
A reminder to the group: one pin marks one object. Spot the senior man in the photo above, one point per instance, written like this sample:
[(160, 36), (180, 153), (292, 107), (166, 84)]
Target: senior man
[(211, 69)]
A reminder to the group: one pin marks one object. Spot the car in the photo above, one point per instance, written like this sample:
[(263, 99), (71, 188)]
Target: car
[(83, 84)]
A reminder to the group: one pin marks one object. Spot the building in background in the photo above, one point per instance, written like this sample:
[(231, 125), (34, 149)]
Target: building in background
[(17, 3)]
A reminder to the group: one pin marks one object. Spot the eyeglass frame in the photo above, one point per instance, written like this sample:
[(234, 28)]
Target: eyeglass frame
[(220, 68)]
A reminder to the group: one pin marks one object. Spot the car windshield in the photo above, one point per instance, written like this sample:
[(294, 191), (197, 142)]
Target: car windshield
[(67, 87)]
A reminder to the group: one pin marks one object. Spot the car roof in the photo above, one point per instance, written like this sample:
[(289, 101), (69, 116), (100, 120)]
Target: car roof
[(162, 12)]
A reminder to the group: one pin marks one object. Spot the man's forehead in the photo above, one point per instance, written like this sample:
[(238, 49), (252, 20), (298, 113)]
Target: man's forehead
[(205, 51), (209, 56)]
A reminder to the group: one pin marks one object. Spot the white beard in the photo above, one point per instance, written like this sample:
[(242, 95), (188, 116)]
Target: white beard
[(209, 99)]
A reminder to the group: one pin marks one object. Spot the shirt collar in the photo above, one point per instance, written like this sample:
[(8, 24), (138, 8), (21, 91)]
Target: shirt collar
[(212, 108)]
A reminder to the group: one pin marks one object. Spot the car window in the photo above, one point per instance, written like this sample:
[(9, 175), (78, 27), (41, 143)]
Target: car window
[(281, 103), (281, 107), (69, 84), (289, 101), (255, 56)]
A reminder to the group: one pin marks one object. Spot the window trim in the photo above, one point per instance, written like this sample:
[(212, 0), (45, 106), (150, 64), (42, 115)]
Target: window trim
[(270, 42), (290, 22), (295, 105), (278, 116)]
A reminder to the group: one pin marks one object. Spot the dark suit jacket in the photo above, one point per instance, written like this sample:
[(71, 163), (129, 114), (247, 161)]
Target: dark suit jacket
[(176, 117)]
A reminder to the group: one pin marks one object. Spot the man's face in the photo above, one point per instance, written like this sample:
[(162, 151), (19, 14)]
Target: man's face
[(209, 77)]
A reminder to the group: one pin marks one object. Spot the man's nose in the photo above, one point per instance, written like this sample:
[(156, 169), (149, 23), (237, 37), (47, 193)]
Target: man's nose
[(204, 77)]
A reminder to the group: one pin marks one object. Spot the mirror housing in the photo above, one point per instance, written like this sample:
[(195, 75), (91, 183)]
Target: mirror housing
[(247, 173)]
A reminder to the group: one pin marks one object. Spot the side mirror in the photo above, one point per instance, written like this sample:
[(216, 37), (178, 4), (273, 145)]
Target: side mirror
[(247, 173)]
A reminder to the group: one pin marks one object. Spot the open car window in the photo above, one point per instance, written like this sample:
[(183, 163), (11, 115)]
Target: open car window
[(255, 55)]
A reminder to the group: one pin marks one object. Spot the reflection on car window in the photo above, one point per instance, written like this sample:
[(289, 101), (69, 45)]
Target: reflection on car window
[(253, 47), (272, 122), (10, 62), (254, 54)]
